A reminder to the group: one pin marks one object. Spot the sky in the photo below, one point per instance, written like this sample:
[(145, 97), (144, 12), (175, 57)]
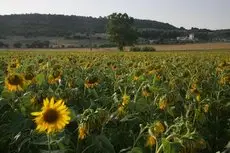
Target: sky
[(211, 14)]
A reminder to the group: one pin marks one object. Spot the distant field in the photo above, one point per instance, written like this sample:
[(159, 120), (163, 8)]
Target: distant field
[(205, 46), (182, 47)]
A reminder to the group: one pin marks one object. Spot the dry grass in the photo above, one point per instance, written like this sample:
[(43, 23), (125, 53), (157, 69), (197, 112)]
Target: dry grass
[(204, 46)]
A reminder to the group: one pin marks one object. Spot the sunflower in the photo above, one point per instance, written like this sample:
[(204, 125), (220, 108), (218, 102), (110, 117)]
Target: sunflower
[(125, 99), (53, 117), (135, 78), (91, 83), (206, 108), (146, 92), (158, 127), (54, 77), (121, 110), (82, 131), (151, 141), (29, 77), (14, 82), (163, 103)]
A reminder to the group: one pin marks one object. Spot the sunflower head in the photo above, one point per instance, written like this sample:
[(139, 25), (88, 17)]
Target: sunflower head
[(91, 82), (121, 110), (29, 77), (135, 78), (163, 103), (206, 108), (146, 92), (40, 61), (14, 82), (82, 131), (151, 141), (125, 99), (225, 80), (54, 77), (53, 117), (156, 128)]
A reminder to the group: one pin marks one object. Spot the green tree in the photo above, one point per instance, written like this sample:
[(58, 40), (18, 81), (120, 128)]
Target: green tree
[(120, 30), (17, 45)]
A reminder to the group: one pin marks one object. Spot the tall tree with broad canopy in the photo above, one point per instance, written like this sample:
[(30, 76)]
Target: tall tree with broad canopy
[(120, 30)]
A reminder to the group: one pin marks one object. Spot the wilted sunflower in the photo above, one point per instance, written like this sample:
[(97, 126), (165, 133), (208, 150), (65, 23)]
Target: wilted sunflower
[(91, 83), (163, 103), (146, 91), (14, 82), (206, 108), (156, 128), (225, 80), (29, 77), (53, 117), (151, 141), (54, 77), (82, 131), (125, 99), (121, 110)]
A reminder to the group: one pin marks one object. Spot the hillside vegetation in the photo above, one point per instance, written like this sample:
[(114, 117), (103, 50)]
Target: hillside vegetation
[(60, 25)]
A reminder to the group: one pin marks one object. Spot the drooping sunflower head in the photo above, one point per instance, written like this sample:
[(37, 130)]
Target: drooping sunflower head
[(146, 91), (14, 82), (53, 117), (138, 74), (29, 77), (40, 61), (163, 103), (125, 99), (55, 77), (157, 128), (151, 141), (91, 82), (82, 131)]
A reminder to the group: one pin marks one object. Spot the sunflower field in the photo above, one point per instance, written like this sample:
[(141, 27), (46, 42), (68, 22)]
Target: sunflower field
[(119, 102)]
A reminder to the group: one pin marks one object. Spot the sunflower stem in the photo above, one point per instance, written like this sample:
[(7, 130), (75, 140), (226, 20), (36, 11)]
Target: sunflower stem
[(49, 146)]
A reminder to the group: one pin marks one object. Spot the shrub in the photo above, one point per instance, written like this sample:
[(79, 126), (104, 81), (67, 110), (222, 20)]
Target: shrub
[(148, 49), (135, 49), (142, 49)]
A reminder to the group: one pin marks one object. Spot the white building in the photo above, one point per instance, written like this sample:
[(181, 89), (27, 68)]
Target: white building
[(189, 37)]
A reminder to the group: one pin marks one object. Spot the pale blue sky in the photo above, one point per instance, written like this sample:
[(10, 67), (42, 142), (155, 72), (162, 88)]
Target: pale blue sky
[(213, 14)]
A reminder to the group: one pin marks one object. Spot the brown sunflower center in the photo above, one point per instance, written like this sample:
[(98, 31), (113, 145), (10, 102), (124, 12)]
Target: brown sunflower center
[(51, 116), (56, 74), (14, 80), (93, 81)]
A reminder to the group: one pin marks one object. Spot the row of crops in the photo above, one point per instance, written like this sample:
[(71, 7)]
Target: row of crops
[(100, 102)]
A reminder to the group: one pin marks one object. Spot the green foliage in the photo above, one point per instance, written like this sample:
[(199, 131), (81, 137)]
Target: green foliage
[(142, 49), (17, 45), (120, 30), (61, 25)]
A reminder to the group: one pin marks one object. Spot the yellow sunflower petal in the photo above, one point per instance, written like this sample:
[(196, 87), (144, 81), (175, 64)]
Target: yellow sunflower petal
[(35, 113), (52, 102)]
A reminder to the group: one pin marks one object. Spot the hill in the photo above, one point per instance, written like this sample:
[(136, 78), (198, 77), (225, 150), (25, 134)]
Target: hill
[(61, 31), (61, 25)]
